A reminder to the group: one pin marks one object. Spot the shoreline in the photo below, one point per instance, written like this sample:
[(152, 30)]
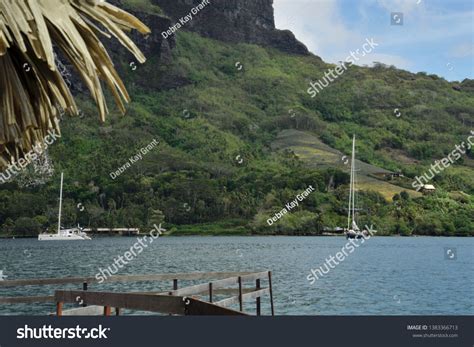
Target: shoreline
[(14, 237)]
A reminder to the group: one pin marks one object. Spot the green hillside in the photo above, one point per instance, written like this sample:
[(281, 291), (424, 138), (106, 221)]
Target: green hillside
[(316, 154), (224, 165)]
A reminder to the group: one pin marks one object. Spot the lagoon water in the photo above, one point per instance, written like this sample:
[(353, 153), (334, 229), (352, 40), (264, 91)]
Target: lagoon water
[(385, 276)]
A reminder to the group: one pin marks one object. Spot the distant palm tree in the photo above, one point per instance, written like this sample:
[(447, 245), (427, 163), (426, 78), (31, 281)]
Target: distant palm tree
[(31, 87)]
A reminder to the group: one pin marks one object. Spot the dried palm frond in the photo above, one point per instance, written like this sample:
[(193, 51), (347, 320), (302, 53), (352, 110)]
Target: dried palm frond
[(31, 87)]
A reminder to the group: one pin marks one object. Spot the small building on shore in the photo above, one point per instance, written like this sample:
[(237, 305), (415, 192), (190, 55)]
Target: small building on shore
[(428, 189)]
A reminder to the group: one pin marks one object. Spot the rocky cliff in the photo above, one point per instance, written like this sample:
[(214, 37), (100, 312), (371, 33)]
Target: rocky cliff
[(250, 21), (235, 21)]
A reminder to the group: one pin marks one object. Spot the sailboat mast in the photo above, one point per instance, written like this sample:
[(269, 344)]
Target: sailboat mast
[(60, 202), (349, 213), (353, 178)]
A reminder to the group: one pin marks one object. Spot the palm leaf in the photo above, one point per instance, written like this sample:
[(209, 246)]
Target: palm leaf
[(31, 86)]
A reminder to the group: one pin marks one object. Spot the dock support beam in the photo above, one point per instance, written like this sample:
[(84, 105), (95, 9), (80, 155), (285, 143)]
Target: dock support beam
[(271, 291), (84, 288), (175, 284), (259, 306), (241, 301)]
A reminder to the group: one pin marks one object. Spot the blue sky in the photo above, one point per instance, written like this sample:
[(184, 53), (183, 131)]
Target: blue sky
[(437, 36)]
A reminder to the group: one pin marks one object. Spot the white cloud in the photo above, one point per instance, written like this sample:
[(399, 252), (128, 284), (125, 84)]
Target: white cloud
[(317, 24), (401, 5), (332, 29)]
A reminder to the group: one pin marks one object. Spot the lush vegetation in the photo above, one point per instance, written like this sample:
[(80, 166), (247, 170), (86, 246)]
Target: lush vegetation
[(141, 5), (215, 170)]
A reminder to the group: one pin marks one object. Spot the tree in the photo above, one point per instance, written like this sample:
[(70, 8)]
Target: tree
[(405, 196), (26, 226), (155, 217), (8, 225)]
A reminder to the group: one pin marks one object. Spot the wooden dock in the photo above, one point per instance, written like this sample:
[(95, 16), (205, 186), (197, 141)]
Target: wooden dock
[(226, 293), (113, 231)]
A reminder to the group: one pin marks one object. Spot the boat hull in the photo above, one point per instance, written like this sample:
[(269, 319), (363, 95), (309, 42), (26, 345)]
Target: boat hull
[(65, 235), (55, 237), (351, 234)]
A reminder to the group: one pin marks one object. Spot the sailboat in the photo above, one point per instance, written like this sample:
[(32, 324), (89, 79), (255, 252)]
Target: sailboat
[(74, 234), (353, 231)]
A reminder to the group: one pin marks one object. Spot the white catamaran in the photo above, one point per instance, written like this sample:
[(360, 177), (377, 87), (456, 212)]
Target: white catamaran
[(353, 231), (65, 234)]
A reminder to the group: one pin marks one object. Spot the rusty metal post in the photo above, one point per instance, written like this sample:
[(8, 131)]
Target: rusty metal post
[(107, 311), (259, 306), (241, 304), (59, 309), (271, 291), (210, 292)]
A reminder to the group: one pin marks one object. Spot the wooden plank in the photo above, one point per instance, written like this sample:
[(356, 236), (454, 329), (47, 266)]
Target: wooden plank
[(229, 301), (201, 308), (221, 291), (152, 303), (256, 294), (40, 299), (231, 291), (254, 276), (25, 299), (46, 281), (245, 297), (204, 288), (129, 278), (192, 290), (162, 304), (86, 311)]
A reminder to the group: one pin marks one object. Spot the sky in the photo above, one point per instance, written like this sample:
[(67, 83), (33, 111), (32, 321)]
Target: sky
[(437, 36)]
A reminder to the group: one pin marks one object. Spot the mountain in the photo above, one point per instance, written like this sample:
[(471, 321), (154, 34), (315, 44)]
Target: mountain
[(240, 137)]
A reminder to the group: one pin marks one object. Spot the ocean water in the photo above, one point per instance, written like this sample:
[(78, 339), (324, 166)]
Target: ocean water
[(384, 276)]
